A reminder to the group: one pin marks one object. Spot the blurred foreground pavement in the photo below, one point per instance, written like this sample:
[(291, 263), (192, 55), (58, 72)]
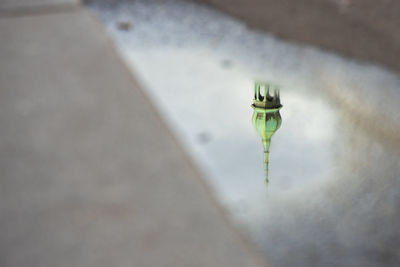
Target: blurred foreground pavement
[(89, 174)]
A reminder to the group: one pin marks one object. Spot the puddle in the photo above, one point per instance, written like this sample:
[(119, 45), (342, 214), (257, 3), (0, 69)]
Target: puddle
[(333, 192)]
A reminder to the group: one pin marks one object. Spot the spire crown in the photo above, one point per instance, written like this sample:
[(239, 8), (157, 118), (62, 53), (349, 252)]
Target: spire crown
[(265, 100)]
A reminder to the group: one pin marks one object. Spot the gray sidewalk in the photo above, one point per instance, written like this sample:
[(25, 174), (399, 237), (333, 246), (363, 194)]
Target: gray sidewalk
[(29, 5), (89, 174)]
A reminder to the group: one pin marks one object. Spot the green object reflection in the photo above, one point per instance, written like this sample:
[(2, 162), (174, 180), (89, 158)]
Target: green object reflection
[(266, 118)]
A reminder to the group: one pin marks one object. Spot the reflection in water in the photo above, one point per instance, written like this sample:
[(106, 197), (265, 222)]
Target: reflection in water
[(266, 118), (336, 171)]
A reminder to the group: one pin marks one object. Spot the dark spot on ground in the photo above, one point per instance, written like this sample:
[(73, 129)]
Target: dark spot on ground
[(226, 64), (203, 138), (124, 25)]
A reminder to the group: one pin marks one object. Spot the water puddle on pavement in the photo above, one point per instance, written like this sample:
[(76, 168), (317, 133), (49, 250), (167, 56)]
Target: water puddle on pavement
[(332, 148)]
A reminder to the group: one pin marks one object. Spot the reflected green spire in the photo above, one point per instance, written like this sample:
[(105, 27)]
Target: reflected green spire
[(266, 118)]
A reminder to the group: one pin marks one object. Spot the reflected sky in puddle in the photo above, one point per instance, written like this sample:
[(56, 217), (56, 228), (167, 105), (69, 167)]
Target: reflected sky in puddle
[(333, 194)]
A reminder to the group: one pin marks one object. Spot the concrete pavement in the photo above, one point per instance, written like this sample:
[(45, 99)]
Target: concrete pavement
[(16, 5), (90, 175), (363, 29)]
